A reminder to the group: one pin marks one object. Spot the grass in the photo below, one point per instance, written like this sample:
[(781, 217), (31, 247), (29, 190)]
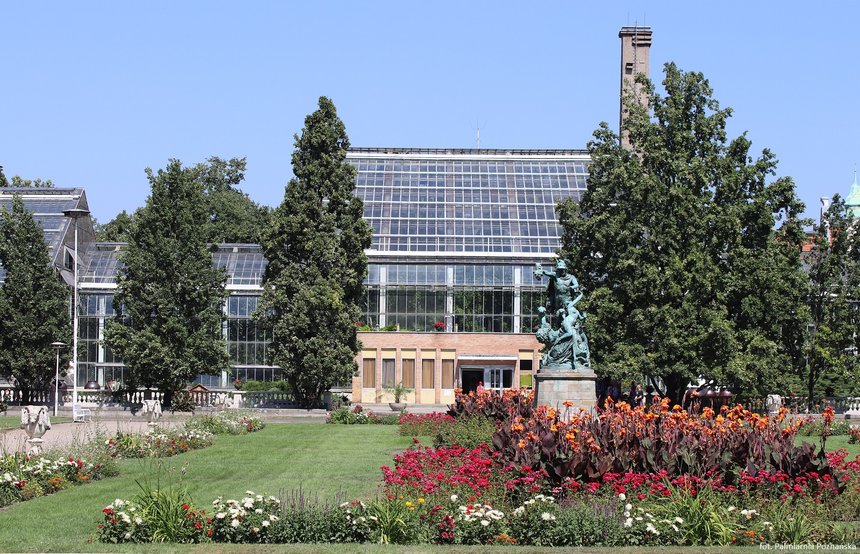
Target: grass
[(14, 422), (322, 460)]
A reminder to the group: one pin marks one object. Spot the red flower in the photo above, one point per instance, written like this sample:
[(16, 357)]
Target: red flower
[(185, 507)]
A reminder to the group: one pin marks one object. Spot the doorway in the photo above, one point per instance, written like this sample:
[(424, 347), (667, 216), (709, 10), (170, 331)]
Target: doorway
[(470, 377)]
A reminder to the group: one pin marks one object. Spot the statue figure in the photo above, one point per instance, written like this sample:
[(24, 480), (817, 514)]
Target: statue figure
[(565, 345), (152, 412), (35, 421)]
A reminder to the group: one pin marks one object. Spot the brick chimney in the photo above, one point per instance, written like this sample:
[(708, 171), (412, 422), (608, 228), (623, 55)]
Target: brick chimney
[(635, 59)]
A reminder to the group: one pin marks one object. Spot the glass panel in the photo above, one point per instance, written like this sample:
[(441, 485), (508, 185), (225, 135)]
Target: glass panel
[(387, 373)]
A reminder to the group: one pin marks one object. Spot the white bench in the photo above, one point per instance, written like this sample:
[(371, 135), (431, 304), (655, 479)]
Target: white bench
[(81, 414)]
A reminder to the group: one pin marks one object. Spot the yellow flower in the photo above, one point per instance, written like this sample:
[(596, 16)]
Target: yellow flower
[(421, 501), (408, 503)]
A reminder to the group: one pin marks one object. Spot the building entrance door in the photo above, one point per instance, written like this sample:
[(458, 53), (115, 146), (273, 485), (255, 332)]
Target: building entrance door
[(491, 377), (470, 377)]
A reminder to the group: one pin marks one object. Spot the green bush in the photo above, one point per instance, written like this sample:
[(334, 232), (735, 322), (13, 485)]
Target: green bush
[(358, 416), (467, 431), (277, 385), (225, 423), (182, 402), (815, 428)]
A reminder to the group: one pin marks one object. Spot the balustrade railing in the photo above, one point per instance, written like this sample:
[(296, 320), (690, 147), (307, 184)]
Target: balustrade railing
[(204, 399)]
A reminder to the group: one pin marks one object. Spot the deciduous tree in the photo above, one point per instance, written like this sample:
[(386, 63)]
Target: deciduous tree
[(168, 294), (833, 263), (315, 249), (689, 249)]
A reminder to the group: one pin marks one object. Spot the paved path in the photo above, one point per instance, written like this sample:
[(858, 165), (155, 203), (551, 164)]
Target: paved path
[(108, 423), (63, 435)]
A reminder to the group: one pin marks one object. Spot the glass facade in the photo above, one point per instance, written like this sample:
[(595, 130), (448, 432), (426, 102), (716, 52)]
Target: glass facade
[(456, 234), (466, 201)]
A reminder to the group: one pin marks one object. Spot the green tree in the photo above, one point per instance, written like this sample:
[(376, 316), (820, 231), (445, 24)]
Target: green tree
[(315, 245), (34, 303), (833, 263), (117, 229), (18, 182), (233, 216), (168, 294), (3, 181), (689, 251)]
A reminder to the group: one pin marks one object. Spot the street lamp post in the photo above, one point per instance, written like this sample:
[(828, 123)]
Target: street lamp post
[(75, 214), (57, 346)]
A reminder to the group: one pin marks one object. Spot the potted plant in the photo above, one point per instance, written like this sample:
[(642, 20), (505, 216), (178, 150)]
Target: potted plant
[(439, 326), (398, 391)]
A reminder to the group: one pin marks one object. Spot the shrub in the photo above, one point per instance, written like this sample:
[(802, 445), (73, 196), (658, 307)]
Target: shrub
[(24, 478), (815, 428), (163, 443), (467, 431), (276, 385), (182, 402), (357, 416), (225, 423), (424, 425)]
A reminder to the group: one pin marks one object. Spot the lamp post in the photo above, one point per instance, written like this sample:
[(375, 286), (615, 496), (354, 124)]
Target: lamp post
[(75, 214), (57, 346)]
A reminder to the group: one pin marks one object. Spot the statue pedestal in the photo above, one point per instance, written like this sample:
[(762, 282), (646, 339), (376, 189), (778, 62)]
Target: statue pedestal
[(553, 387)]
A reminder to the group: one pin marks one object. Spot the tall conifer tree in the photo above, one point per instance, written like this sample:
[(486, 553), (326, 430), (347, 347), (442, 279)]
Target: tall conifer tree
[(34, 304), (315, 249), (169, 296)]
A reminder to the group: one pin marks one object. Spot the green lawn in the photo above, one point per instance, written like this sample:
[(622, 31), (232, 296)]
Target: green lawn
[(833, 443), (14, 422), (322, 460)]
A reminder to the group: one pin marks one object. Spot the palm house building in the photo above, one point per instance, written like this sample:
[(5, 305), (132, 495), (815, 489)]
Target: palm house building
[(450, 295)]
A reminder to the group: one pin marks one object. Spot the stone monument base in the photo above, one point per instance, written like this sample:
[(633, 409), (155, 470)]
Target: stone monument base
[(554, 387)]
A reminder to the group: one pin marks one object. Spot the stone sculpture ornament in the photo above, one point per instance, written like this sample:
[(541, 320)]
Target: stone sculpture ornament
[(561, 328), (152, 412), (35, 421)]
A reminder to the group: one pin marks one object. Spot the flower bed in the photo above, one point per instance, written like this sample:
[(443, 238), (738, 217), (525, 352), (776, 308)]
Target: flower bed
[(161, 444), (23, 477), (359, 416)]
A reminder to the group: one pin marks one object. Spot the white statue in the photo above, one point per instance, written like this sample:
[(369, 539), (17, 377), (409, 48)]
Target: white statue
[(35, 421), (152, 411), (773, 403)]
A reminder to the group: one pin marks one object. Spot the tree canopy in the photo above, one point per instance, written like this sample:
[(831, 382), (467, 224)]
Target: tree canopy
[(168, 295), (689, 249), (315, 248), (833, 262), (34, 303), (232, 216)]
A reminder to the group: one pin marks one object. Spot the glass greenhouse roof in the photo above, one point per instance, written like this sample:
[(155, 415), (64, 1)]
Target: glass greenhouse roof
[(104, 263), (47, 206), (423, 200), (244, 263)]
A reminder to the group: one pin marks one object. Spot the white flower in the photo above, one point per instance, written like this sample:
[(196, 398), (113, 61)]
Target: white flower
[(273, 517), (255, 529), (485, 522), (454, 498), (651, 529), (622, 497), (234, 523), (344, 505), (546, 516), (675, 527), (265, 523), (628, 522), (258, 511), (678, 520), (749, 514), (519, 511), (128, 535), (248, 503), (731, 508), (249, 493), (220, 515), (639, 518), (628, 507)]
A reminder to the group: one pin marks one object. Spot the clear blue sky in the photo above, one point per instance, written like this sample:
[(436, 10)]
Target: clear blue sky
[(94, 92)]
